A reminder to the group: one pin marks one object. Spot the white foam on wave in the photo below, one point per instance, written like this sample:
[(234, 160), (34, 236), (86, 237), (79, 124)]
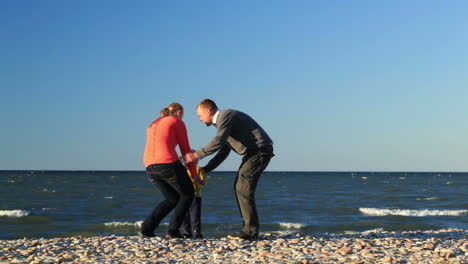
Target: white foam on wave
[(376, 230), (14, 213), (428, 199), (47, 190), (408, 212), (135, 224), (292, 225), (283, 233)]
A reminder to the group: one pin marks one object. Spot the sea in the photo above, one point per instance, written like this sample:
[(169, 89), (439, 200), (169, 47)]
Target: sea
[(47, 204)]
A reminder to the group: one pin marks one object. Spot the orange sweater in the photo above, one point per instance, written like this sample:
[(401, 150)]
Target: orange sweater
[(161, 140)]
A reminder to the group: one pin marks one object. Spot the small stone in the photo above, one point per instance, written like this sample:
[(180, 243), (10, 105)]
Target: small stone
[(388, 259), (26, 252), (360, 246), (446, 252), (464, 248), (141, 254), (281, 240), (416, 249), (345, 250), (365, 252), (450, 254), (296, 240)]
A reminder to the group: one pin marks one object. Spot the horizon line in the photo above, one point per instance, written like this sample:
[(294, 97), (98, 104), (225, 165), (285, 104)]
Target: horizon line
[(314, 171)]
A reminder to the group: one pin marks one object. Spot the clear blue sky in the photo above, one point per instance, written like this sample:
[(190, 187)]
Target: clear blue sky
[(338, 85)]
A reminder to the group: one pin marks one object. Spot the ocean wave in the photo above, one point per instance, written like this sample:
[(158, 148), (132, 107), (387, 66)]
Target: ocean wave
[(283, 233), (113, 224), (292, 225), (408, 212), (428, 199), (135, 224), (14, 213)]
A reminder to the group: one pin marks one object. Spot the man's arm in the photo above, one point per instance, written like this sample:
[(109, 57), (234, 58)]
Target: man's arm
[(223, 132), (222, 154)]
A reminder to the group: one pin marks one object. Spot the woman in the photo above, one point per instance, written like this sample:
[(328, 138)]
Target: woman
[(166, 171)]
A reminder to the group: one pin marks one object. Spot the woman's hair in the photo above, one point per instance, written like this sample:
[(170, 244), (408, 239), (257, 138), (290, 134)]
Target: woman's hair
[(174, 107), (171, 109), (164, 112)]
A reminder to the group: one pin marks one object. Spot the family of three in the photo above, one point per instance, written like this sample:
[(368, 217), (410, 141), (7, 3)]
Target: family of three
[(178, 184)]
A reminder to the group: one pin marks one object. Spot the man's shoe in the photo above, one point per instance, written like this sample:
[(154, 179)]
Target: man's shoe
[(173, 234), (142, 234), (243, 236)]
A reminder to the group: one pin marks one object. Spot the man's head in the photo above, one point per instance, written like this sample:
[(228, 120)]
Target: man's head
[(206, 110)]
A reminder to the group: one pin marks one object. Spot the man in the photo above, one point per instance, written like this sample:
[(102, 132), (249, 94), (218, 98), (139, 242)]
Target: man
[(239, 132)]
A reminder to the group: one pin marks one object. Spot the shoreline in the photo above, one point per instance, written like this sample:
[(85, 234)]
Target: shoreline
[(374, 246)]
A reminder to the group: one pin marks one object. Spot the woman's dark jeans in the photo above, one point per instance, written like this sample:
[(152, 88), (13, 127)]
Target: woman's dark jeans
[(174, 183)]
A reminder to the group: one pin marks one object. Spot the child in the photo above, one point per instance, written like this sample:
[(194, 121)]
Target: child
[(192, 221)]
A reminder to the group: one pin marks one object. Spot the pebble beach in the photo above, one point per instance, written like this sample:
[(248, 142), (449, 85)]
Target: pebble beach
[(375, 246)]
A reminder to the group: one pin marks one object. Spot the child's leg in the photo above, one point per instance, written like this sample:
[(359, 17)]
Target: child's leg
[(185, 228), (195, 215)]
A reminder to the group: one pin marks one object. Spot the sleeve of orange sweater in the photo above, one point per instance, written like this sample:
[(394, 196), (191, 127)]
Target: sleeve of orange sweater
[(184, 145)]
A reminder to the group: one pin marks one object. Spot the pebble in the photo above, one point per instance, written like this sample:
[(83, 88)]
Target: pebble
[(345, 250), (375, 246)]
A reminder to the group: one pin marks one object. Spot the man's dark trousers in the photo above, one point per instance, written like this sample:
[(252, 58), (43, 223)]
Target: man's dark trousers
[(252, 166)]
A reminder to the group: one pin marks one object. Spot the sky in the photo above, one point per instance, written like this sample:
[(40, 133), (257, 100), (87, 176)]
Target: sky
[(338, 85)]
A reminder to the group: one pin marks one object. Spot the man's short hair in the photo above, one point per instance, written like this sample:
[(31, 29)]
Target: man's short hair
[(209, 104)]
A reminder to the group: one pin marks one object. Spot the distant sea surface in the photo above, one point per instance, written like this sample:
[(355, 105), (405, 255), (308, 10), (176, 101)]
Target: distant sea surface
[(35, 204)]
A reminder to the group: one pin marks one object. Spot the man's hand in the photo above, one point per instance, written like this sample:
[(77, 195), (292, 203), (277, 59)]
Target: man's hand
[(191, 157)]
